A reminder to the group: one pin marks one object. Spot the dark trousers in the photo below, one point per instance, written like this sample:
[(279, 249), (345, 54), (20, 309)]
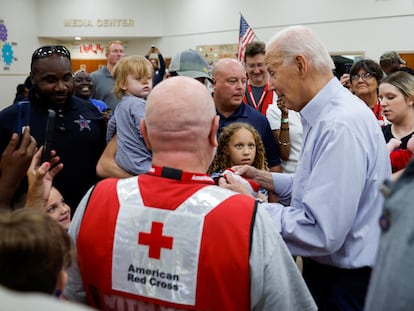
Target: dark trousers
[(336, 288)]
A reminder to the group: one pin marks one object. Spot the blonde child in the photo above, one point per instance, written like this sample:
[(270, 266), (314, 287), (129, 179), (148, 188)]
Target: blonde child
[(238, 144), (133, 82)]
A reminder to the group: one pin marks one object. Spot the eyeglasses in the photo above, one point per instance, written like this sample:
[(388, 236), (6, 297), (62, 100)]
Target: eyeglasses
[(364, 76), (46, 51), (254, 66)]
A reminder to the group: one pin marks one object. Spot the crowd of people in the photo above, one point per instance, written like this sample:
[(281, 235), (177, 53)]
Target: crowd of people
[(199, 190)]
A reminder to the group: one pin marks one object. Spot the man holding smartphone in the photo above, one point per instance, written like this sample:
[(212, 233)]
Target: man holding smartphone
[(79, 134), (345, 77)]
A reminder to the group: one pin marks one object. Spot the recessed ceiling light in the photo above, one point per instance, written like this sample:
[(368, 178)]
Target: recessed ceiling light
[(78, 38)]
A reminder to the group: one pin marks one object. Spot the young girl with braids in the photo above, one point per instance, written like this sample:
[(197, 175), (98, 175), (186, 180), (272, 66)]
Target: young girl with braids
[(238, 144)]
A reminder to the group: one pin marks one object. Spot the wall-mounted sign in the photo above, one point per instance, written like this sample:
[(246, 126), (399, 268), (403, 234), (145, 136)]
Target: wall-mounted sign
[(6, 47), (104, 22)]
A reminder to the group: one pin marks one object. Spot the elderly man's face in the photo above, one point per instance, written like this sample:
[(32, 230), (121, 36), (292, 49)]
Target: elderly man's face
[(285, 79)]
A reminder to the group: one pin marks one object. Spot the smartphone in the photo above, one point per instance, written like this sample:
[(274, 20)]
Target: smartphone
[(347, 67), (23, 117), (49, 134)]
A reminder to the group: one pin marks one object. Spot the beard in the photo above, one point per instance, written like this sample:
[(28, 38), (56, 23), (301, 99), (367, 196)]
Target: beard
[(46, 99)]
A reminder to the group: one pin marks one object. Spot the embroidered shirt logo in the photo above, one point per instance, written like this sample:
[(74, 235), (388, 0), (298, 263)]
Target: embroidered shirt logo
[(83, 123)]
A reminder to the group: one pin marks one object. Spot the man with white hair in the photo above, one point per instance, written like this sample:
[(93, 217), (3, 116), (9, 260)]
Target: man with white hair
[(333, 199)]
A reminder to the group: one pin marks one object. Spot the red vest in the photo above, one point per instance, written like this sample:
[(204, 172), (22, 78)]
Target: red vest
[(165, 244)]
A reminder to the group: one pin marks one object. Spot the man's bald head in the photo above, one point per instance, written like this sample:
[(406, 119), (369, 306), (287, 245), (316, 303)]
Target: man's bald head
[(229, 84), (178, 103), (179, 117), (223, 65)]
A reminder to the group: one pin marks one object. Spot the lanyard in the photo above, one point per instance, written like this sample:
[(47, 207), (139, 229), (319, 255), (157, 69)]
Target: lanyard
[(378, 111), (259, 105), (173, 173)]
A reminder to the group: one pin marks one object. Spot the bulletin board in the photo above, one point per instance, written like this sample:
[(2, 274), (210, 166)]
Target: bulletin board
[(217, 51)]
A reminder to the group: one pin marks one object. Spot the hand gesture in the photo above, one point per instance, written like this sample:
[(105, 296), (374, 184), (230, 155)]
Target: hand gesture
[(246, 171), (282, 107), (392, 144), (40, 177), (233, 183), (14, 163), (345, 80)]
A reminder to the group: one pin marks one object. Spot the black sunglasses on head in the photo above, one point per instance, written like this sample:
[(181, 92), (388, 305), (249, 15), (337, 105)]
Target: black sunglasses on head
[(46, 51)]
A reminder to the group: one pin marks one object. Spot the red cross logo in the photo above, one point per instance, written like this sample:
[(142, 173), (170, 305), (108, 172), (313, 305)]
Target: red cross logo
[(155, 240)]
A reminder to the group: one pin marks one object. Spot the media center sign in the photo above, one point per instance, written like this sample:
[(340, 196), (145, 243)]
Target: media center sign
[(100, 23)]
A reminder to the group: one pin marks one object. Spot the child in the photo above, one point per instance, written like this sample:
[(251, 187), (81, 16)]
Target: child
[(133, 83), (34, 252), (58, 209), (238, 144), (41, 195)]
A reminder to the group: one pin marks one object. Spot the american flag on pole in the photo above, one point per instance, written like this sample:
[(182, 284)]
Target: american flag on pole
[(246, 35)]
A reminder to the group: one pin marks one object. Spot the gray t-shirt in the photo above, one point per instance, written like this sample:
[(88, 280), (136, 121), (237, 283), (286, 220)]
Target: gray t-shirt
[(103, 84), (132, 155)]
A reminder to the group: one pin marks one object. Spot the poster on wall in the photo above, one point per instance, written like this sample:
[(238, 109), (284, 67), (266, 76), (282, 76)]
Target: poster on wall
[(217, 51), (88, 50), (6, 48)]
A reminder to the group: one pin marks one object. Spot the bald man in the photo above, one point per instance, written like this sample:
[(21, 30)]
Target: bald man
[(173, 239), (229, 84)]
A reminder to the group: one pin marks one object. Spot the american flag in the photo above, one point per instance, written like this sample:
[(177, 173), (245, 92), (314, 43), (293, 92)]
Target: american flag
[(246, 35)]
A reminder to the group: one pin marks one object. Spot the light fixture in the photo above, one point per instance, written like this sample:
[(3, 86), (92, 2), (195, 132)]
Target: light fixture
[(78, 38)]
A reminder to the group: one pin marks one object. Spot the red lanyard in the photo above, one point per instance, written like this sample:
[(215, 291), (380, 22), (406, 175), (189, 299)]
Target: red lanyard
[(172, 173), (378, 111), (257, 106)]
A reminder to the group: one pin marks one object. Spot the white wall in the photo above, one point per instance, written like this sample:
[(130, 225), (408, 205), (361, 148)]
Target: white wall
[(20, 24), (355, 25), (367, 26)]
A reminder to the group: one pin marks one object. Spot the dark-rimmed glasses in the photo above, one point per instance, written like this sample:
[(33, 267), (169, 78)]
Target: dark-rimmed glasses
[(46, 51), (364, 76)]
